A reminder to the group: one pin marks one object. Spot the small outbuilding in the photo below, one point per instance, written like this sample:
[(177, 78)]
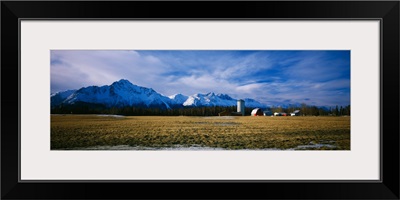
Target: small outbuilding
[(280, 114), (225, 113), (257, 112), (295, 113), (267, 113)]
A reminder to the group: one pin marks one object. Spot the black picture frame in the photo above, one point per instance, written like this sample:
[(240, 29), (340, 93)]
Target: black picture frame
[(386, 11)]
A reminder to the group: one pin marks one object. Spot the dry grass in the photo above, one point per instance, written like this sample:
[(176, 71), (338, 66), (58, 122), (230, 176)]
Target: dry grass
[(80, 131)]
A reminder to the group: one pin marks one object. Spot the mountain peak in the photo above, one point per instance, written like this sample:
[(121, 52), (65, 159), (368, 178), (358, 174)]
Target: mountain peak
[(122, 81), (178, 98), (210, 94), (127, 85), (119, 94), (225, 96)]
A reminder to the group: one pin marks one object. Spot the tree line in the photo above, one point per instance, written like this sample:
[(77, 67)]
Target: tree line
[(307, 110), (85, 108), (142, 111)]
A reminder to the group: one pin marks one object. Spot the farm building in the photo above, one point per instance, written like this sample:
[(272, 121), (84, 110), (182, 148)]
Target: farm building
[(225, 113), (240, 106), (240, 110), (280, 114), (257, 112), (228, 113), (295, 113), (267, 113), (236, 113)]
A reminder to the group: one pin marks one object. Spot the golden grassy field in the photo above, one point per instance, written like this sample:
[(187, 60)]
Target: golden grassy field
[(295, 133)]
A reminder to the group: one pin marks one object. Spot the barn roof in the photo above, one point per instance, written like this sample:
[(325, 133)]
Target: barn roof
[(255, 110)]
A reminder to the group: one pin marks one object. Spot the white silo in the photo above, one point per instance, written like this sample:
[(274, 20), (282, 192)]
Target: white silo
[(240, 106)]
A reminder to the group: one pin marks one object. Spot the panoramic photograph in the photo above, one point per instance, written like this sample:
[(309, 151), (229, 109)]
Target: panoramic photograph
[(200, 100)]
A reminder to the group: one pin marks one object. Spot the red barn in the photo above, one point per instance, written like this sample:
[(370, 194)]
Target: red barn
[(257, 112)]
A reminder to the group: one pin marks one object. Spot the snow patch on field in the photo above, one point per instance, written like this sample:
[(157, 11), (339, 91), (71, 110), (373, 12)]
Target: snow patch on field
[(174, 148), (311, 146), (314, 146)]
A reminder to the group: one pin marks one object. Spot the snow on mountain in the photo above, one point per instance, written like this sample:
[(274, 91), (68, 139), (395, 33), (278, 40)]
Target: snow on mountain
[(211, 99), (123, 93), (120, 93), (225, 97), (178, 99), (59, 97)]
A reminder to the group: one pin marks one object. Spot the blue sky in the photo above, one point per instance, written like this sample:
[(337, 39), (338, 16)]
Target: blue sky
[(319, 78)]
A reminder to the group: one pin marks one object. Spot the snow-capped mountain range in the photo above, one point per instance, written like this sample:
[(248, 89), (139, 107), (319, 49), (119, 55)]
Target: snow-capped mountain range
[(123, 93)]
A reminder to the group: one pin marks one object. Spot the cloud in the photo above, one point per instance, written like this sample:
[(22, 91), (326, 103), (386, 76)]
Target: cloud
[(319, 66), (189, 85), (249, 88), (75, 69)]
